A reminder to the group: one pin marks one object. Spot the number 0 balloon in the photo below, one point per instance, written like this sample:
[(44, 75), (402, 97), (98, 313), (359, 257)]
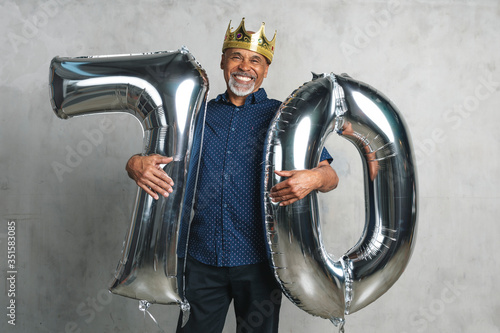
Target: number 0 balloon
[(166, 92), (308, 275)]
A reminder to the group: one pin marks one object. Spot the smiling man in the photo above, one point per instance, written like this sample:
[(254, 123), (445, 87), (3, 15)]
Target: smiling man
[(227, 259)]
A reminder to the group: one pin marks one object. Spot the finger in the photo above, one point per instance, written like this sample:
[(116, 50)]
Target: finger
[(160, 159), (288, 202), (279, 193), (287, 195), (159, 187), (280, 186), (284, 173), (163, 176), (163, 189), (148, 191), (281, 197)]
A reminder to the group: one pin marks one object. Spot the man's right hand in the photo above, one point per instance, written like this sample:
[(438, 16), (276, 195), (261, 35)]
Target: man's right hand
[(148, 174)]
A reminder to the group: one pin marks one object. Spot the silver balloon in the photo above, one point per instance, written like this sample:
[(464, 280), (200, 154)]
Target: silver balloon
[(308, 275), (166, 92)]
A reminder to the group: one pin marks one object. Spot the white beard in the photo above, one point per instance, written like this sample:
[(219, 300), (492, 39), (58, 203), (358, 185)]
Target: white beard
[(239, 89)]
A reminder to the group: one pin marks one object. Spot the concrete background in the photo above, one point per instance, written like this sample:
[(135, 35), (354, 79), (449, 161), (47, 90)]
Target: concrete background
[(437, 60)]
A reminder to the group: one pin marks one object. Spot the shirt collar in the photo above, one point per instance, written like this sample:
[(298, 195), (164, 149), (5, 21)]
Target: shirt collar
[(254, 98)]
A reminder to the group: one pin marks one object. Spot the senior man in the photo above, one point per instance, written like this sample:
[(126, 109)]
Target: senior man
[(227, 258)]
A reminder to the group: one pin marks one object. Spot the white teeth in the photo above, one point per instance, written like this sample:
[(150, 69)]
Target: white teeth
[(243, 78)]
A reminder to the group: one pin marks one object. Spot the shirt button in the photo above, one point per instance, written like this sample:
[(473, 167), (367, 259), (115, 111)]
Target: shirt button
[(225, 205), (226, 176), (232, 129), (236, 109)]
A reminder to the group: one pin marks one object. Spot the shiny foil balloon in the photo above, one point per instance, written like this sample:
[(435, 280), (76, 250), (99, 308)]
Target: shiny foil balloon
[(166, 92), (308, 275)]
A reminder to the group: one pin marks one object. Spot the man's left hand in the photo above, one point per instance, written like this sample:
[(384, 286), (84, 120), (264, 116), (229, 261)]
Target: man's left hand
[(301, 182)]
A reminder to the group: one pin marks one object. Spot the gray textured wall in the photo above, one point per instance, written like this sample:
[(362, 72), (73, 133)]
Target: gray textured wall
[(437, 60)]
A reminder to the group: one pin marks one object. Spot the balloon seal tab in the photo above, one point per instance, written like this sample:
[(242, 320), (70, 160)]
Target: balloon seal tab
[(340, 104), (144, 306), (186, 311), (338, 322), (348, 291)]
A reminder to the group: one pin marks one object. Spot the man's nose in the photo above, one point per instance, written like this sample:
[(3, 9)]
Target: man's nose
[(244, 65)]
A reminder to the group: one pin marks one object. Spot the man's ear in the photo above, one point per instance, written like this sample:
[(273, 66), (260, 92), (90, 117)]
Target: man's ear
[(222, 59), (265, 72)]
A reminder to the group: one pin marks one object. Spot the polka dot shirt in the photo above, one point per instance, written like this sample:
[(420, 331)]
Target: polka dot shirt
[(227, 229)]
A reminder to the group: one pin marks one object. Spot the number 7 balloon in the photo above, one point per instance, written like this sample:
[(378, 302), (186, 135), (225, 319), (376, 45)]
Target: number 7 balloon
[(166, 92)]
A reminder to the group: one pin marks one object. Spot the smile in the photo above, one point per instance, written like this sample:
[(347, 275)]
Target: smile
[(243, 78)]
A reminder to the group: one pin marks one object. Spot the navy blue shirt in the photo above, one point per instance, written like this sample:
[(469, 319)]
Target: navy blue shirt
[(227, 229)]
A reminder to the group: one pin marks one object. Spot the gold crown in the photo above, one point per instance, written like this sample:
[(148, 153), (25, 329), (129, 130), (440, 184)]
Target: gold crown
[(256, 42)]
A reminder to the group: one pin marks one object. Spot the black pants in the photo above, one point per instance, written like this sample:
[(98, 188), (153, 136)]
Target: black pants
[(209, 290)]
